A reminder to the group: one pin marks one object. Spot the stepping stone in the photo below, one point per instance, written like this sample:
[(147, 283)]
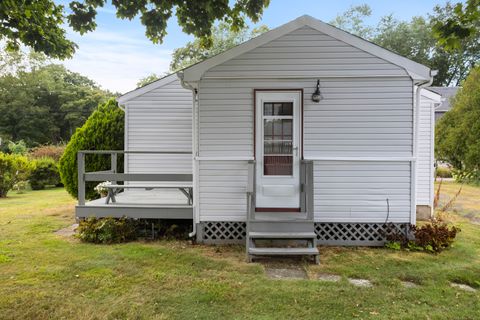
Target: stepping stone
[(328, 277), (360, 282), (463, 287), (68, 231), (282, 273), (409, 284)]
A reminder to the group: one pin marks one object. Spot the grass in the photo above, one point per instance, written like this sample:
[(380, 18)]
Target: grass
[(467, 203), (46, 276)]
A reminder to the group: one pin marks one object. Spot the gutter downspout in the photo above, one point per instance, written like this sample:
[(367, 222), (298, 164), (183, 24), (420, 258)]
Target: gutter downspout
[(194, 146), (420, 86)]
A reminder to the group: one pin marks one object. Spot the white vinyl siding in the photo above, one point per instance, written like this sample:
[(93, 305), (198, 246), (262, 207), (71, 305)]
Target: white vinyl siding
[(160, 120), (366, 111), (223, 187), (357, 191), (425, 163), (305, 52), (358, 117)]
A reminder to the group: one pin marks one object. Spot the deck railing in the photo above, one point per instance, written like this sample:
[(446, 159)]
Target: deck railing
[(114, 176), (306, 188)]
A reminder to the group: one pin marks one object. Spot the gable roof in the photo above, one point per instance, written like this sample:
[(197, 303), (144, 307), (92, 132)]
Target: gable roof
[(447, 93), (147, 88), (433, 96), (415, 70)]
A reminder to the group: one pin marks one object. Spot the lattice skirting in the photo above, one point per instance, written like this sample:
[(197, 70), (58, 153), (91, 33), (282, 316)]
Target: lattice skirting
[(340, 234), (357, 234), (221, 232)]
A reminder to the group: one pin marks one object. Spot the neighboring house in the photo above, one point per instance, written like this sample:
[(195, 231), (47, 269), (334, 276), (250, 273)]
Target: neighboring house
[(447, 93), (305, 132)]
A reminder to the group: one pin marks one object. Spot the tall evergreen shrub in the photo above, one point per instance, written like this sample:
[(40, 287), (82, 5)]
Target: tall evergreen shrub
[(103, 130)]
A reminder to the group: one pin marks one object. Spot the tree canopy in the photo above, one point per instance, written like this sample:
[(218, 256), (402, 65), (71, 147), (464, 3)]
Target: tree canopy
[(457, 133), (222, 38), (462, 24), (40, 24), (45, 103), (415, 40)]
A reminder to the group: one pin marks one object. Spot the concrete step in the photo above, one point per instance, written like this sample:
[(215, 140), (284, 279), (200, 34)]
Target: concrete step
[(282, 235), (283, 251)]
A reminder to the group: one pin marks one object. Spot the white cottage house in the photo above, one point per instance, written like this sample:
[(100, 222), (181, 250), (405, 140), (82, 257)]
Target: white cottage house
[(304, 132)]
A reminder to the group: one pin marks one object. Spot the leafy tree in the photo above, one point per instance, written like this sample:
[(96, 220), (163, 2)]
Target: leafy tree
[(148, 79), (39, 24), (46, 104), (461, 25), (12, 62), (352, 21), (222, 38), (104, 130), (458, 132), (415, 40)]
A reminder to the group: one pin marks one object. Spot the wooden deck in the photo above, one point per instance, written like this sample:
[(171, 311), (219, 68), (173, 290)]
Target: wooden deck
[(147, 204)]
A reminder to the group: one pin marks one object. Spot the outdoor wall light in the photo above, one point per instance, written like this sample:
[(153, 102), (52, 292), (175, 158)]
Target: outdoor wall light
[(317, 96)]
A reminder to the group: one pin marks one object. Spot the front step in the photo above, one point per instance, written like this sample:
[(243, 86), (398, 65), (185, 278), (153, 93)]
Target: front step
[(283, 251), (281, 230), (281, 226), (282, 235)]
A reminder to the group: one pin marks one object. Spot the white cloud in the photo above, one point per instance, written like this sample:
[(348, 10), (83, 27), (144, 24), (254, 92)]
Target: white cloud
[(117, 61)]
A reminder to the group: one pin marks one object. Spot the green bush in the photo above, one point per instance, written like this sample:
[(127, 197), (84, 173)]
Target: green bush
[(443, 172), (107, 230), (44, 172), (13, 169), (103, 130), (19, 147)]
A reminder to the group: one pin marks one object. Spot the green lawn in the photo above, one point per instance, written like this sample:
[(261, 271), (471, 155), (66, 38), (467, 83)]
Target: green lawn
[(46, 276)]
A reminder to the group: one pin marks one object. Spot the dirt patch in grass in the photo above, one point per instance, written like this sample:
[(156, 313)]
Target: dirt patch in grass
[(285, 273), (67, 232)]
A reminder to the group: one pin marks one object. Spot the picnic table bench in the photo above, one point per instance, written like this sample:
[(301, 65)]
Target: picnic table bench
[(185, 188)]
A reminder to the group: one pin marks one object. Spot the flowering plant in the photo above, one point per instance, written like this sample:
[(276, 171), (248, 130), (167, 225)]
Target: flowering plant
[(102, 189)]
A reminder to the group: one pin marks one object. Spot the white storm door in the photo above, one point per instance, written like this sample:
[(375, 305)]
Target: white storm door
[(277, 149)]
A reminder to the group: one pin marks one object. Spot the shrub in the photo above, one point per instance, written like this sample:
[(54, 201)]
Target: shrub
[(19, 147), (47, 151), (107, 230), (13, 169), (44, 172), (103, 130), (443, 172), (433, 237)]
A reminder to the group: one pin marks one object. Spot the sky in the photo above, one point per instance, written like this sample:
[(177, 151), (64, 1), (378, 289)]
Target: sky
[(117, 54)]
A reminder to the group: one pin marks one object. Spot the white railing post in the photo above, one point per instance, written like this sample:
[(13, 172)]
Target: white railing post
[(113, 166), (81, 178), (309, 189), (251, 190)]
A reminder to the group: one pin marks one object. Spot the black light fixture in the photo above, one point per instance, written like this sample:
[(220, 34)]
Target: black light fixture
[(317, 96)]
